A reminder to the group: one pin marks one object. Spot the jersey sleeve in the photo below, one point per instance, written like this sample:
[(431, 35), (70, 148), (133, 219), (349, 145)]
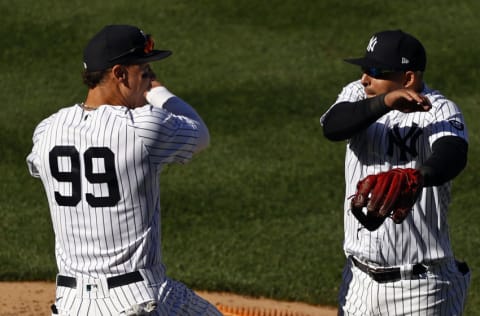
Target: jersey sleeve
[(33, 159), (167, 137), (350, 93), (447, 120)]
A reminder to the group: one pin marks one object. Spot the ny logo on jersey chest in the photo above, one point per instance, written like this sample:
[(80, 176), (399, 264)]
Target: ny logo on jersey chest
[(406, 144)]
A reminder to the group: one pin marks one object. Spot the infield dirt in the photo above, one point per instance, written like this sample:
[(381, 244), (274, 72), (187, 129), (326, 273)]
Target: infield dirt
[(35, 298)]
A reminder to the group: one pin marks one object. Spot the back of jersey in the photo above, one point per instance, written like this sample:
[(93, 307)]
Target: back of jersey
[(100, 172)]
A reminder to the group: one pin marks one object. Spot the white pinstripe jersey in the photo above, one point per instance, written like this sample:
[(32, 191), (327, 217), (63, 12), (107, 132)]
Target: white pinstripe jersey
[(400, 140), (100, 170)]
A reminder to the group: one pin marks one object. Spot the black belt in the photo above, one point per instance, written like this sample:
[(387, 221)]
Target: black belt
[(112, 282), (383, 275)]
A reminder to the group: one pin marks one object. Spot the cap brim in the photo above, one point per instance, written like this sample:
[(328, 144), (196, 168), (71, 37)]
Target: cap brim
[(152, 56), (365, 62)]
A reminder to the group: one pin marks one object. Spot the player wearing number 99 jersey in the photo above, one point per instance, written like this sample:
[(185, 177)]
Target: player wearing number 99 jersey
[(99, 162), (100, 170)]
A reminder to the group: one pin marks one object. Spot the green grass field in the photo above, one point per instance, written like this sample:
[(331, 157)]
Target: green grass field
[(259, 212)]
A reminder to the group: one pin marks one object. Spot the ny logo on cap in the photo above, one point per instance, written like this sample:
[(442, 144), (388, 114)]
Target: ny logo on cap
[(371, 44)]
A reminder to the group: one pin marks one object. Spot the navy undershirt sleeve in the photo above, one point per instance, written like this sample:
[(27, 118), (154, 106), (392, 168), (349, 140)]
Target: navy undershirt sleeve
[(448, 159), (345, 119)]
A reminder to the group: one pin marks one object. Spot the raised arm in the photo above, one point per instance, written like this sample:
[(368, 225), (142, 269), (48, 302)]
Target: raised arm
[(161, 97)]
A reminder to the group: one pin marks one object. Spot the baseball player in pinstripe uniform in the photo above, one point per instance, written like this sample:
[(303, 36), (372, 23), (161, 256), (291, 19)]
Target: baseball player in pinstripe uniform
[(99, 162), (395, 124)]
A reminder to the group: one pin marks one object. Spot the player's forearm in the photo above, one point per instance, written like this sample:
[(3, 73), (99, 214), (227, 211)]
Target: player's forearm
[(345, 119), (448, 159), (161, 97)]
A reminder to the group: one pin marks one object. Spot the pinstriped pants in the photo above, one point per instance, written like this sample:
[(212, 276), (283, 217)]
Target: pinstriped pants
[(441, 291), (175, 300), (157, 295)]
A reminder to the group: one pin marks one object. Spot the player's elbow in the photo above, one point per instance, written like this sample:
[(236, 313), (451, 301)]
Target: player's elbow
[(330, 129), (332, 133)]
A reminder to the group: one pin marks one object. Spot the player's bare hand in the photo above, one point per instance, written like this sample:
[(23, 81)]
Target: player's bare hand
[(407, 100)]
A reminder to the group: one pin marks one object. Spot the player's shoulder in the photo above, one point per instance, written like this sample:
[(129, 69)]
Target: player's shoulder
[(432, 94), (356, 86), (438, 99), (148, 113), (43, 125), (353, 91), (64, 111), (57, 113)]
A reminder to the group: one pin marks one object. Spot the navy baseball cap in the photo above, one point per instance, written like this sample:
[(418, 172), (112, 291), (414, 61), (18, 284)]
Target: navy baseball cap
[(393, 50), (120, 44)]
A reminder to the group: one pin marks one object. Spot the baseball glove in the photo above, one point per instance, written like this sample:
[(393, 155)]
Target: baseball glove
[(387, 194)]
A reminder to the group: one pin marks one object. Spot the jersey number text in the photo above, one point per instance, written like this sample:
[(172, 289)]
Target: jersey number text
[(74, 175)]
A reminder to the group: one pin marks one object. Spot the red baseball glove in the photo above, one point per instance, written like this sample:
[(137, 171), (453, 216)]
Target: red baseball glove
[(392, 193)]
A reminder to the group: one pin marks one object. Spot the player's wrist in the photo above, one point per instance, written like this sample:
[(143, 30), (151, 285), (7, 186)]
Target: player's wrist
[(158, 96), (383, 101), (378, 106)]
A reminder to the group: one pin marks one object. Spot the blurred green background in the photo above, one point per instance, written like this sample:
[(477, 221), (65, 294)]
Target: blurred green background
[(259, 212)]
